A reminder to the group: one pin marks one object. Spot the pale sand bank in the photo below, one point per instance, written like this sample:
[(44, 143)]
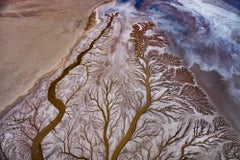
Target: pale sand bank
[(34, 37), (217, 90)]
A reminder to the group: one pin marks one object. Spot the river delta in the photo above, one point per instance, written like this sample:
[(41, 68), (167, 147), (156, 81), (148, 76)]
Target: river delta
[(128, 90)]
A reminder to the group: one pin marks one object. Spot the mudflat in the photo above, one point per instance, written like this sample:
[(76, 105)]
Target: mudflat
[(35, 36), (120, 95), (218, 91)]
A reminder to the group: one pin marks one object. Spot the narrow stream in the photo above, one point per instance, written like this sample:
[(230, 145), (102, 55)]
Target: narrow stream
[(36, 150)]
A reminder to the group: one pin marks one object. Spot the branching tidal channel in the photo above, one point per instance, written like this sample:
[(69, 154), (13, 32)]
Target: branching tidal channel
[(36, 150)]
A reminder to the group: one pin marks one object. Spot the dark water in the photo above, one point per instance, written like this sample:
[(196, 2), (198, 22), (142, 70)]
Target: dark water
[(234, 3), (138, 3)]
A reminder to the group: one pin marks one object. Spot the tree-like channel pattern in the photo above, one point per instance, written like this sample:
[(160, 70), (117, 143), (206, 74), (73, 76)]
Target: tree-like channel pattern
[(124, 97)]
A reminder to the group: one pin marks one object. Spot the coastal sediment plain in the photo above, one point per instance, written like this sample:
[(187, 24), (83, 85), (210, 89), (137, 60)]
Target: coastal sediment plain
[(35, 38), (120, 94)]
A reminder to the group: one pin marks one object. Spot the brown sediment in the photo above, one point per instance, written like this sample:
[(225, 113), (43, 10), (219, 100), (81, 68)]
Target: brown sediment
[(21, 14), (91, 21), (218, 92), (140, 45), (10, 2), (58, 103), (199, 98), (144, 109), (30, 44), (92, 18), (178, 82), (191, 92), (236, 79), (170, 60), (183, 75)]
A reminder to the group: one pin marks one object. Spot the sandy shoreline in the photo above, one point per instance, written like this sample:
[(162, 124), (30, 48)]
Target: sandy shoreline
[(40, 42)]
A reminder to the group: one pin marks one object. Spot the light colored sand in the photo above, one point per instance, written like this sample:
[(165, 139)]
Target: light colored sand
[(34, 37)]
